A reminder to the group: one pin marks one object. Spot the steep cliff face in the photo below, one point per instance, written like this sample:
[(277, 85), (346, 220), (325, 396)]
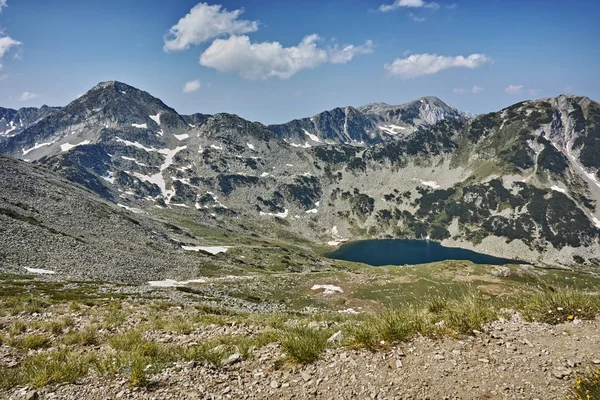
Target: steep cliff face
[(521, 182)]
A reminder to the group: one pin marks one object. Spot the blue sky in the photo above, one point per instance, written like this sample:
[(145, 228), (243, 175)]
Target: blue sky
[(259, 59)]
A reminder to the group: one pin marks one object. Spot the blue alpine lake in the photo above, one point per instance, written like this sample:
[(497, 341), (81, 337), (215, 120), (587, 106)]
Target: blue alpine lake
[(401, 251)]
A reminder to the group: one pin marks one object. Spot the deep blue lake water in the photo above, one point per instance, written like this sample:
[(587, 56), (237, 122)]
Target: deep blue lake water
[(400, 251)]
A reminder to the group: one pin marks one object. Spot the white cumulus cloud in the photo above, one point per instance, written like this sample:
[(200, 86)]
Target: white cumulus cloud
[(514, 89), (237, 54), (203, 23), (27, 96), (408, 3), (474, 90), (191, 86), (2, 4), (428, 64), (6, 43)]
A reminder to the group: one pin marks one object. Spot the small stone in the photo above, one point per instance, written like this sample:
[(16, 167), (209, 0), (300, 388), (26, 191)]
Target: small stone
[(337, 338), (561, 372), (484, 360), (596, 362), (398, 364), (232, 359), (438, 357), (274, 384), (120, 394), (32, 396), (306, 376)]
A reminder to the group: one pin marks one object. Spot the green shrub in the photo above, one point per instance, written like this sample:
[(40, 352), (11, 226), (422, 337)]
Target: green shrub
[(559, 305), (304, 345)]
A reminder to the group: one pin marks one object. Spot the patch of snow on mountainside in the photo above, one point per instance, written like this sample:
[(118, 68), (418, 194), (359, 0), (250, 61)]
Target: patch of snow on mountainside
[(182, 137), (312, 137), (40, 271), (173, 283), (137, 145), (558, 189), (214, 250), (305, 145), (431, 184), (37, 146), (392, 129), (596, 222), (155, 118), (134, 160), (140, 126), (283, 214), (264, 174), (250, 146), (212, 146), (12, 128), (133, 210), (68, 146), (328, 289), (158, 178)]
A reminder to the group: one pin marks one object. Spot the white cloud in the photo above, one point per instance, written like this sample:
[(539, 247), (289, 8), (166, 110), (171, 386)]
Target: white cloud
[(416, 18), (27, 96), (474, 90), (2, 4), (428, 64), (408, 3), (6, 43), (238, 54), (191, 86), (203, 23), (513, 89)]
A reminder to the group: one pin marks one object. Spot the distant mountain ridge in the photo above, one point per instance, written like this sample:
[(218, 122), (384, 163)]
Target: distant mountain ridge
[(371, 123), (13, 122), (523, 182)]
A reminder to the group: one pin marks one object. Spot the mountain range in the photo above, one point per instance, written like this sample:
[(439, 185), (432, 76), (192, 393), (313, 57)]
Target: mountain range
[(523, 182)]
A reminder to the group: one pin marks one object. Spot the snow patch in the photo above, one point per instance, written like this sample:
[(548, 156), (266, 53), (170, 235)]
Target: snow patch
[(37, 146), (556, 188), (39, 271), (312, 211), (68, 146), (283, 214), (214, 250), (134, 160), (160, 133), (173, 283), (596, 222), (182, 137), (305, 145), (140, 126), (264, 174), (312, 137), (250, 146), (432, 184), (155, 118), (328, 289), (133, 210), (212, 146), (348, 311)]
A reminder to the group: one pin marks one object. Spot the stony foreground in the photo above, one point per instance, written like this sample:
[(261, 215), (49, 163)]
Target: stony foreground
[(509, 360)]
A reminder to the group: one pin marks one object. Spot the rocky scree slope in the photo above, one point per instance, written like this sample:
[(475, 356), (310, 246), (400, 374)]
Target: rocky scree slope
[(522, 182), (49, 223)]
